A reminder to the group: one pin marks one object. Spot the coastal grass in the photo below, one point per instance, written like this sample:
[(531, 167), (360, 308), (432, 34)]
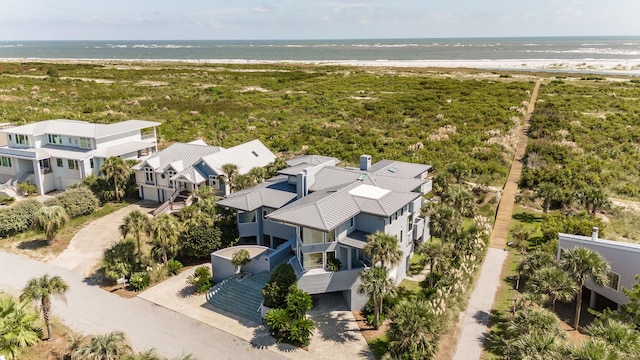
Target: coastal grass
[(413, 115)]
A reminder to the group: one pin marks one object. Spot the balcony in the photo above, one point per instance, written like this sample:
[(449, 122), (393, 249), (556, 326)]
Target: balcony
[(318, 281)]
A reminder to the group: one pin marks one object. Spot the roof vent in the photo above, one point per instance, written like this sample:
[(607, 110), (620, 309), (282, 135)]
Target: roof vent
[(362, 177), (254, 153)]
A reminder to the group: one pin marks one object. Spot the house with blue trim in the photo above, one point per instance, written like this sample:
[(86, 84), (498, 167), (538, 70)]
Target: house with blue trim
[(326, 213)]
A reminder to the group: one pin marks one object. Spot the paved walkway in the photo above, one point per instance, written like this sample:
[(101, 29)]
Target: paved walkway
[(91, 310), (474, 321), (85, 251), (337, 334)]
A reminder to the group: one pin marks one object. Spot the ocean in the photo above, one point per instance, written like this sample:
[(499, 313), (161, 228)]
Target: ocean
[(620, 53)]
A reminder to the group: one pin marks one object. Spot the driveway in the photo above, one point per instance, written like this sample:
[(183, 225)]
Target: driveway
[(84, 253), (337, 335), (91, 310)]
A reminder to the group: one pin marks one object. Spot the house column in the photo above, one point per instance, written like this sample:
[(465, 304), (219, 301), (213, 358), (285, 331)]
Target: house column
[(156, 137), (37, 174)]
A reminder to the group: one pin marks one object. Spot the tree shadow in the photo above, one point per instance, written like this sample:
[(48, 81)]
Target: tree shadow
[(186, 292), (334, 326), (33, 244), (481, 317), (527, 218)]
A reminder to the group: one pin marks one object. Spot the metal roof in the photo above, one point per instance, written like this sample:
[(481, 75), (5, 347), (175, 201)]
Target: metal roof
[(274, 193), (79, 128), (356, 239), (398, 169), (188, 154), (246, 156), (312, 160)]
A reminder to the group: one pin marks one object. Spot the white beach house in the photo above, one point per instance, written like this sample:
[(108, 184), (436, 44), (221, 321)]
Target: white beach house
[(54, 154)]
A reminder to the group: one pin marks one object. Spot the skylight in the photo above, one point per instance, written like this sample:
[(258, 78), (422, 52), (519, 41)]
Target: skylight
[(393, 170), (368, 191), (254, 153)]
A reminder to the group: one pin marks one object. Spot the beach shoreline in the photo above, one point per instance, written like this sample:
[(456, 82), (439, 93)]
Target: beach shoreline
[(620, 67)]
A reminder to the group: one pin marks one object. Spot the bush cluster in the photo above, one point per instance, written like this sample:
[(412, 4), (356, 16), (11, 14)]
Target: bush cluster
[(140, 281), (276, 289), (18, 218), (201, 279), (76, 201)]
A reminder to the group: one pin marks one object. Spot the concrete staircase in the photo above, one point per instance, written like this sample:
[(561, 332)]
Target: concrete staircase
[(241, 298)]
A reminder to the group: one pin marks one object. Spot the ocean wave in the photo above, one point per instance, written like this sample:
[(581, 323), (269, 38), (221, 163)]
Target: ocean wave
[(594, 51), (146, 46)]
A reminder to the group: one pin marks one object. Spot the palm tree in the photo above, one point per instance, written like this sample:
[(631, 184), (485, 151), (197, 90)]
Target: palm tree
[(231, 171), (42, 289), (535, 260), (445, 220), (530, 319), (377, 284), (258, 174), (594, 349), (74, 343), (383, 248), (116, 170), (50, 219), (433, 252), (592, 199), (460, 199), (582, 263), (619, 335), (413, 332), (165, 230), (536, 345), (18, 326), (110, 346), (550, 284), (547, 192), (136, 223)]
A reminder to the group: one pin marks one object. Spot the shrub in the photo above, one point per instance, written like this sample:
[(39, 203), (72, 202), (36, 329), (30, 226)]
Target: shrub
[(174, 267), (76, 201), (201, 279), (6, 200), (334, 264), (18, 217), (27, 188), (119, 261), (291, 324), (140, 281), (277, 288), (240, 258), (200, 241)]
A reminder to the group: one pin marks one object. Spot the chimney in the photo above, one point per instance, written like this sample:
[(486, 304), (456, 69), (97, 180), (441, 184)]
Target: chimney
[(594, 234), (301, 184), (365, 162)]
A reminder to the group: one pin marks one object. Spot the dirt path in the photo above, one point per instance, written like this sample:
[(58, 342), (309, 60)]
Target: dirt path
[(474, 321), (85, 250)]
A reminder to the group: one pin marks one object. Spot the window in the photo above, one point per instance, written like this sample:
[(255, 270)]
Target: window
[(22, 139), (148, 175), (10, 137), (73, 164), (55, 139), (264, 214), (59, 162), (311, 236), (247, 217), (614, 280), (352, 222), (171, 173), (5, 161), (330, 236), (91, 162), (45, 164), (312, 261), (85, 143), (213, 182)]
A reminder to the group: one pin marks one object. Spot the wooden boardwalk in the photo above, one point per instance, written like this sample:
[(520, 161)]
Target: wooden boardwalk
[(500, 233)]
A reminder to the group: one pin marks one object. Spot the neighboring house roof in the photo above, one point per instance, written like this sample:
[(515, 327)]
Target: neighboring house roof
[(198, 142), (333, 177), (187, 154), (192, 174), (79, 128), (122, 149), (398, 169), (621, 245), (325, 210), (274, 193), (246, 156), (311, 160)]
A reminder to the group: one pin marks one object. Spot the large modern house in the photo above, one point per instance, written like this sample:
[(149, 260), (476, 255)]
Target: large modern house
[(54, 154), (325, 212), (184, 167), (623, 258)]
